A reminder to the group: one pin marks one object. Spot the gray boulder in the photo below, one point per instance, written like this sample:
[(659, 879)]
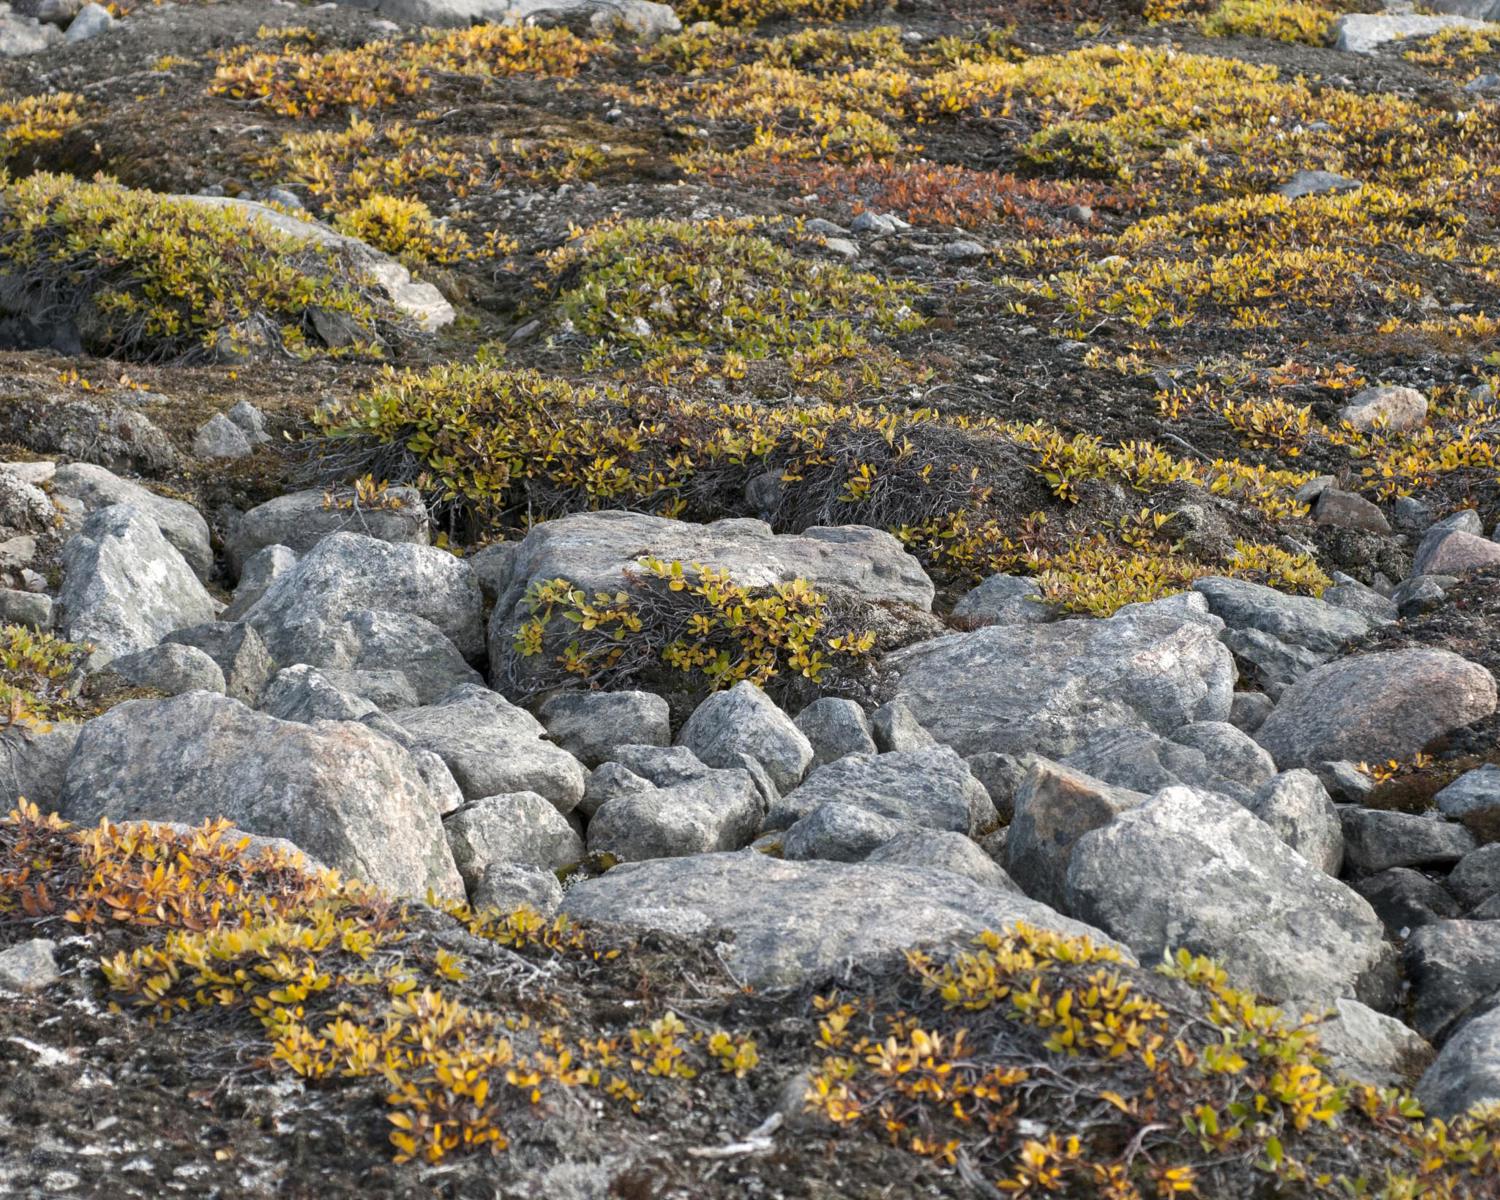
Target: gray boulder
[(219, 437), (1299, 810), (1375, 840), (125, 587), (180, 523), (171, 669), (300, 520), (507, 886), (711, 810), (591, 725), (1372, 1048), (895, 727), (1476, 878), (795, 923), (521, 828), (1450, 548), (239, 653), (336, 790), (1054, 807), (835, 728), (1364, 33), (1396, 408), (494, 748), (1473, 796), (1452, 966), (346, 573), (1001, 600), (305, 694), (91, 21), (1293, 620), (840, 833), (1249, 710), (1389, 704), (386, 689), (1276, 664), (936, 850), (34, 764), (258, 573), (1229, 753), (1466, 1071), (1316, 183), (744, 720), (21, 36), (28, 966), (1047, 688), (1190, 870), (931, 788), (33, 610), (1405, 899)]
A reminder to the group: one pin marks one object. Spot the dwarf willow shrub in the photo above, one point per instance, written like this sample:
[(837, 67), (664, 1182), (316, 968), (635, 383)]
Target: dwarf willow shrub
[(155, 276), (652, 287), (692, 620), (36, 673)]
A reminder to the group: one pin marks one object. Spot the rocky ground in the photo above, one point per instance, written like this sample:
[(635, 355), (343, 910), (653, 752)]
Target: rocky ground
[(756, 598)]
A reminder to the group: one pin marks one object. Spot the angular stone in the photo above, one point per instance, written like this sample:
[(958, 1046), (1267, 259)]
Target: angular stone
[(1294, 620), (1001, 600), (300, 520), (1145, 762), (712, 810), (1297, 807), (590, 725), (1389, 704), (338, 791), (835, 728), (238, 650), (494, 748), (1055, 807), (125, 587), (305, 694), (1277, 664), (1190, 870), (931, 788), (34, 764), (521, 828), (1249, 710), (219, 437), (506, 886), (596, 550), (1346, 510), (32, 610), (1228, 752), (1405, 900), (347, 572), (1476, 878), (171, 669), (936, 850), (1046, 688), (1364, 33), (1316, 183), (804, 923), (387, 690), (840, 832), (1455, 553), (260, 571), (1452, 966), (1474, 795), (1466, 1071), (1372, 1048), (744, 720), (28, 966), (180, 523), (1001, 776), (1375, 840), (895, 728)]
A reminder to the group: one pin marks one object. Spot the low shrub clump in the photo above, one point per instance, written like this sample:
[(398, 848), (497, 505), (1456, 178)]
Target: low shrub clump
[(1034, 1062), (151, 276), (38, 677), (36, 119), (496, 448), (656, 289), (298, 82), (691, 622)]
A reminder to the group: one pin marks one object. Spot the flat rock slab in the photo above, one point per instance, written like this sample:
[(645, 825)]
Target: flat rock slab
[(1045, 688), (803, 922), (1364, 33)]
